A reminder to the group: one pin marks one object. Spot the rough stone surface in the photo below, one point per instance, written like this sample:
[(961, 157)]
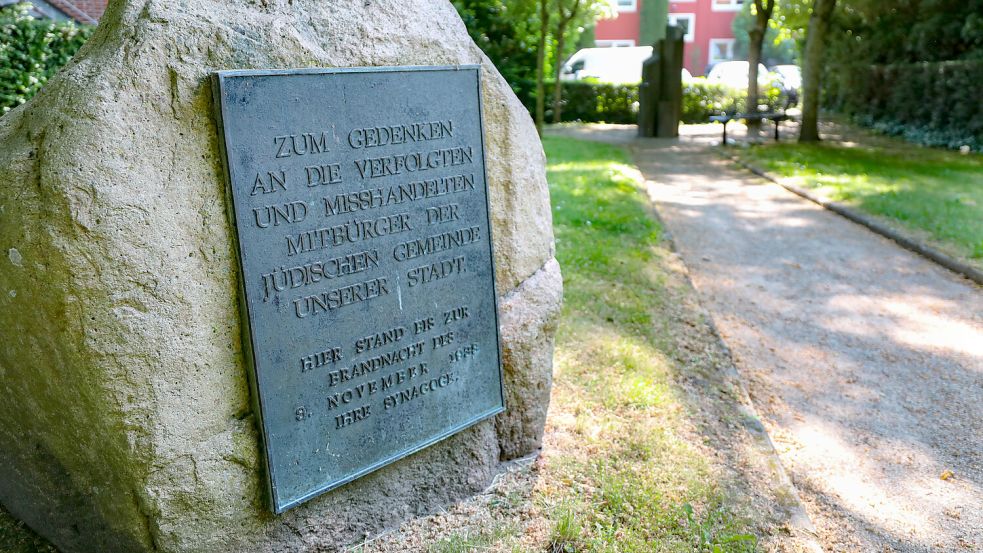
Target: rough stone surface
[(528, 318), (125, 424)]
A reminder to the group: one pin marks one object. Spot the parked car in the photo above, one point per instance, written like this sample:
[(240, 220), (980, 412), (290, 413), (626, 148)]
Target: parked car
[(791, 77), (610, 65), (735, 74)]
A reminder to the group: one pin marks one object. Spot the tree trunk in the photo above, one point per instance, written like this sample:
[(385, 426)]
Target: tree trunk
[(557, 87), (544, 21), (756, 38), (812, 68), (561, 31)]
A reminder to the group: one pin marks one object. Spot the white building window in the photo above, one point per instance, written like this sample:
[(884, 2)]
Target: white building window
[(721, 49), (614, 43), (726, 5), (687, 21), (627, 5)]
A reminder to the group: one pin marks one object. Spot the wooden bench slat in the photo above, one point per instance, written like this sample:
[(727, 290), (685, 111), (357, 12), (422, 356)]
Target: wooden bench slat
[(776, 117)]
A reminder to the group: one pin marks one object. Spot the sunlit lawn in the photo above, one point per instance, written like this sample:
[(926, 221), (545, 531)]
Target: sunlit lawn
[(936, 193), (625, 479), (625, 465)]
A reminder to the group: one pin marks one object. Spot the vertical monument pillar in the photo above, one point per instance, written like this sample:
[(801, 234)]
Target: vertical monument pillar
[(649, 92), (275, 329), (661, 92)]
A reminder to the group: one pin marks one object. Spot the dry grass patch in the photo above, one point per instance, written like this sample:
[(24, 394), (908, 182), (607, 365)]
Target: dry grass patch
[(631, 460)]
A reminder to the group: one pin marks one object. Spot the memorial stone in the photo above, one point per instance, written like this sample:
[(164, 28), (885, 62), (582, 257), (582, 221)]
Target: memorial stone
[(128, 423)]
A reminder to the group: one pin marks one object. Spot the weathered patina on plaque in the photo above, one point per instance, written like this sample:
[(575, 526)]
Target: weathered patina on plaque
[(361, 212)]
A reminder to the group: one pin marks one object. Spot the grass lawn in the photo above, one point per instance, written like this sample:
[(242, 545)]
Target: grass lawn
[(626, 463), (936, 194), (636, 483)]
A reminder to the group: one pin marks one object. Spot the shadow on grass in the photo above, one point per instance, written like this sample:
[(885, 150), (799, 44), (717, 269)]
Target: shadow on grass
[(936, 192), (636, 482)]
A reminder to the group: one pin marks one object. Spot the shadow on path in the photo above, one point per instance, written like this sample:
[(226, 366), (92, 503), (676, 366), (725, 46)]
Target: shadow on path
[(865, 360)]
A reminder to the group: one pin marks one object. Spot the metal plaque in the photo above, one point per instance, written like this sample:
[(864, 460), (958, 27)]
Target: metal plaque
[(361, 215)]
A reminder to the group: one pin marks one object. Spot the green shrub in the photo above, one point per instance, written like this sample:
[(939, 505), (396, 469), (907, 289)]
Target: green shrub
[(596, 102), (583, 101), (701, 99), (31, 51), (931, 103), (589, 102)]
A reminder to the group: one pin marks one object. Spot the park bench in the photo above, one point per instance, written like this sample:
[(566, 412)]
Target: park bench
[(776, 117)]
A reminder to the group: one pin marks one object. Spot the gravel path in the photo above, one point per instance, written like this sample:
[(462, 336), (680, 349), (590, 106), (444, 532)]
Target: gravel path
[(865, 360)]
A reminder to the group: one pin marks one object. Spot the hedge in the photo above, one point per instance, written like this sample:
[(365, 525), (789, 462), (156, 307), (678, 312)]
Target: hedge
[(618, 103), (596, 102), (701, 99), (932, 103), (31, 51)]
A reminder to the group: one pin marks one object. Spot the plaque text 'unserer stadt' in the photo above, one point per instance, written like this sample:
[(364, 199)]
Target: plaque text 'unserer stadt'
[(361, 215)]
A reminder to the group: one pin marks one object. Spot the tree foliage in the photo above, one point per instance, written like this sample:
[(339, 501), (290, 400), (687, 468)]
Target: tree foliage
[(877, 31), (539, 115), (507, 32), (909, 67), (762, 11), (779, 47), (571, 14), (31, 51), (906, 31), (812, 67)]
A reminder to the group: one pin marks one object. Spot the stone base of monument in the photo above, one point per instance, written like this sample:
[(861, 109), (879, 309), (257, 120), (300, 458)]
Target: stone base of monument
[(128, 422)]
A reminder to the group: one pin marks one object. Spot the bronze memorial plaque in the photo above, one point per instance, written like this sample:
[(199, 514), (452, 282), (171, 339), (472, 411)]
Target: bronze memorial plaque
[(361, 214)]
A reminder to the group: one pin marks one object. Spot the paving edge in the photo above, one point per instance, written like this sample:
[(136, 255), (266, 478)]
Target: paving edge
[(798, 518), (907, 242)]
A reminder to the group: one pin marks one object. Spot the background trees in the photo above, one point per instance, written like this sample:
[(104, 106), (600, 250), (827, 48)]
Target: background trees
[(908, 67), (507, 31), (905, 66), (577, 15), (779, 45), (529, 39), (31, 51), (544, 28), (756, 34), (906, 31), (812, 68)]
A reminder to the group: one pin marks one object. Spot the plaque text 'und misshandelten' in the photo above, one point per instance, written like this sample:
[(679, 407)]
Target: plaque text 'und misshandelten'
[(361, 214)]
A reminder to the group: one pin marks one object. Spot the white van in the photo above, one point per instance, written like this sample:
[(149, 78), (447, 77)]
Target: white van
[(608, 65)]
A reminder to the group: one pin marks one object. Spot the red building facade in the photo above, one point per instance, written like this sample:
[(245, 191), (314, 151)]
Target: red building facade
[(623, 29), (80, 11), (709, 36)]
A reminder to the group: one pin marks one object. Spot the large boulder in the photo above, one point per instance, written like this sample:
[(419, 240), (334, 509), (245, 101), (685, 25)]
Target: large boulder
[(126, 422)]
